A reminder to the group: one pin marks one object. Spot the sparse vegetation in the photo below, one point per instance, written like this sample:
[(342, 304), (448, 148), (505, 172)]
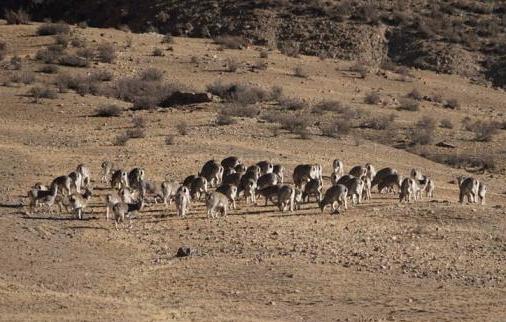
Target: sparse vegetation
[(415, 94), (292, 104), (167, 39), (170, 139), (136, 133), (301, 71), (138, 121), (446, 124), (264, 54), (108, 111), (408, 104), (73, 61), (361, 69), (224, 119), (121, 139), (231, 42), (19, 17), (452, 104), (336, 129), (3, 50), (382, 122), (50, 55), (290, 49), (151, 74), (238, 110), (49, 69), (62, 40), (484, 131), (38, 92), (373, 98), (232, 65), (329, 106), (49, 29), (23, 77), (16, 63), (424, 131), (182, 128), (260, 65), (241, 93), (101, 75), (158, 52), (106, 53)]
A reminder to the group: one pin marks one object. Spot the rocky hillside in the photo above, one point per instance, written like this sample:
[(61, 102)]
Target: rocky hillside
[(453, 36)]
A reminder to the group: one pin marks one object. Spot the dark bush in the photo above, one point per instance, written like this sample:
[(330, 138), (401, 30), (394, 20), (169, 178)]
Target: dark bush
[(73, 61), (49, 69), (158, 52), (423, 132), (239, 110), (151, 74), (136, 133), (3, 50), (62, 40), (170, 139), (373, 98), (336, 129), (329, 106), (38, 92), (108, 111), (292, 104), (290, 49), (231, 42), (240, 93), (415, 94), (446, 124), (182, 128), (49, 29), (452, 104), (138, 121), (300, 71), (378, 123), (16, 63), (50, 55), (106, 53), (19, 17), (23, 77), (408, 104), (121, 139), (223, 119)]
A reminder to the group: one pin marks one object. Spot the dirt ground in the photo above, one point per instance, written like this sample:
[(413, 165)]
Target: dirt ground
[(431, 260)]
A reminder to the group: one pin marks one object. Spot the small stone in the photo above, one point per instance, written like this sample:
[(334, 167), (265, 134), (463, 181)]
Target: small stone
[(183, 251)]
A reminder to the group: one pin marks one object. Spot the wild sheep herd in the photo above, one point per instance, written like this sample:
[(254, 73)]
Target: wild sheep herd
[(232, 179)]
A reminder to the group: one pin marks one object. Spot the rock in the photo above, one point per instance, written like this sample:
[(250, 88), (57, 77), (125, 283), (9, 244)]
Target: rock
[(185, 98), (443, 144), (184, 251)]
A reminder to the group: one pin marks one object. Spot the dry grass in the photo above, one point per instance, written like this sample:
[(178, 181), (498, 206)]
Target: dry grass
[(408, 104), (23, 77), (329, 106)]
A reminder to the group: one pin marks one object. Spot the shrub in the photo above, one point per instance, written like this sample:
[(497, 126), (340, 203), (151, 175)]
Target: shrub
[(167, 39), (231, 42), (19, 17), (426, 122), (373, 98), (50, 55), (3, 50), (73, 61), (239, 110), (62, 40), (379, 123), (182, 128), (106, 52), (145, 103), (446, 124), (260, 65), (361, 69), (78, 42), (408, 104), (223, 119), (170, 139), (329, 106), (264, 54), (87, 53), (194, 60), (421, 136), (138, 121), (49, 29), (232, 65), (151, 74), (121, 139), (101, 75), (303, 133), (336, 128), (240, 93), (452, 104), (276, 92), (130, 89), (415, 94), (290, 49), (300, 71), (38, 92), (23, 77), (49, 69), (108, 111), (158, 52), (16, 63), (484, 131), (136, 133), (292, 104)]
